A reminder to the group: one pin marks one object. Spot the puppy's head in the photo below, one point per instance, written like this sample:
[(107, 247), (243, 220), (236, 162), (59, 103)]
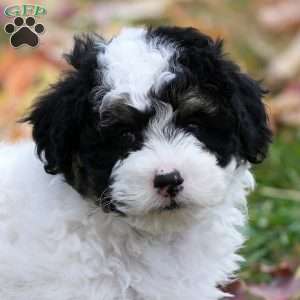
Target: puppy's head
[(153, 122)]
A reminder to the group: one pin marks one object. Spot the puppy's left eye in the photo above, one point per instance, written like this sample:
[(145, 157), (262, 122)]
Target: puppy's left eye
[(128, 136)]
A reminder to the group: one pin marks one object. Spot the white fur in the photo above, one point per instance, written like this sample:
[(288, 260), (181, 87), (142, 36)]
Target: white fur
[(132, 66), (56, 245)]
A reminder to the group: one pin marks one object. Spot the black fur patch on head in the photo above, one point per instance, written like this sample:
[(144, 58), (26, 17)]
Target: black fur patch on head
[(237, 124), (63, 111)]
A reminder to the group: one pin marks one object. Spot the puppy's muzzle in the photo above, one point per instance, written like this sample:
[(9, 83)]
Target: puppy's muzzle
[(168, 184)]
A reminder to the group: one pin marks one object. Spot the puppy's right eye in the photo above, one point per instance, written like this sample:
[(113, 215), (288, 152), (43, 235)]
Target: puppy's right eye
[(193, 128)]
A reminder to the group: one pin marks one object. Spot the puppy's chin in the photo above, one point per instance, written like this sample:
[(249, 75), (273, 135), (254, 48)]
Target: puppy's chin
[(171, 205), (166, 220)]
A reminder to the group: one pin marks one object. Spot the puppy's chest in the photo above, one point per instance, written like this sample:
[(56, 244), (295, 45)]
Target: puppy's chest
[(146, 268), (142, 262)]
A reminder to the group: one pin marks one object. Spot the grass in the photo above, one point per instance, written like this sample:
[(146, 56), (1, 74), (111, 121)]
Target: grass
[(274, 209)]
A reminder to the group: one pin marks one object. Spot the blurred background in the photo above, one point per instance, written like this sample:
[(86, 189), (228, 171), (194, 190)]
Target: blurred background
[(263, 36)]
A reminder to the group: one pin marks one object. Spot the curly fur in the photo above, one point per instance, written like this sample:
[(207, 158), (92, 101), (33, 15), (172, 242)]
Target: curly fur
[(85, 221)]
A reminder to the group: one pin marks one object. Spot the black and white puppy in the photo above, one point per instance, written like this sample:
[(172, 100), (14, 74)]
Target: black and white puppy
[(145, 150)]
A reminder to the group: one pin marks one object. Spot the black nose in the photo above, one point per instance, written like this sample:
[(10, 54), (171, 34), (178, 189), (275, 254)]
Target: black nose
[(171, 181)]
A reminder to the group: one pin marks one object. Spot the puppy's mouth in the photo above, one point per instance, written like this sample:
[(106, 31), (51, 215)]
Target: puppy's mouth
[(109, 205), (173, 205)]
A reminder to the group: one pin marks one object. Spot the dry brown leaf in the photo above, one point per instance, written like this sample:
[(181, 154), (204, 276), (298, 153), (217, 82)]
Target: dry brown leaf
[(279, 290), (286, 65), (285, 108), (284, 269), (281, 16), (23, 75), (106, 12), (178, 15)]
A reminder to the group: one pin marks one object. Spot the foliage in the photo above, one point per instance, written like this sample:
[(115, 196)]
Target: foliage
[(274, 228)]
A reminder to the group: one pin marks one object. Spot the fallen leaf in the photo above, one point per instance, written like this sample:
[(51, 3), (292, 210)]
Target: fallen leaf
[(284, 109), (283, 270), (281, 16), (286, 289), (286, 65)]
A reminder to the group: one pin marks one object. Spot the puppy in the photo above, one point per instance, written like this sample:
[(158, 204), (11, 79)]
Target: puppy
[(140, 190)]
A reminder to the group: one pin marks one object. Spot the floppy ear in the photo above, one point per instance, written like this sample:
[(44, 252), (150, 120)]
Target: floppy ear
[(59, 115), (254, 134)]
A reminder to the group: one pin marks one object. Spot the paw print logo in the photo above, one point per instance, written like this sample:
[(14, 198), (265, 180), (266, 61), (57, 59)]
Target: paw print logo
[(24, 33)]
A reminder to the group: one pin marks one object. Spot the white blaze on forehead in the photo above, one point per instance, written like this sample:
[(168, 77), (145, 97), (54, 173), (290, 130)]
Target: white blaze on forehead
[(132, 65)]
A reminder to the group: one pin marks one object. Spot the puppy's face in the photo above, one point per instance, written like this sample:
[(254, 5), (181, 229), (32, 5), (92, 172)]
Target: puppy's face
[(154, 121)]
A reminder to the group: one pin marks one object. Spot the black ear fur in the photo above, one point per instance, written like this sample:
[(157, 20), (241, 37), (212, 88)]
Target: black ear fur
[(84, 51), (59, 116), (215, 72), (254, 134)]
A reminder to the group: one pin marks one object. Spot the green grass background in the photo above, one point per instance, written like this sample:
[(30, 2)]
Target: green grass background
[(274, 209)]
